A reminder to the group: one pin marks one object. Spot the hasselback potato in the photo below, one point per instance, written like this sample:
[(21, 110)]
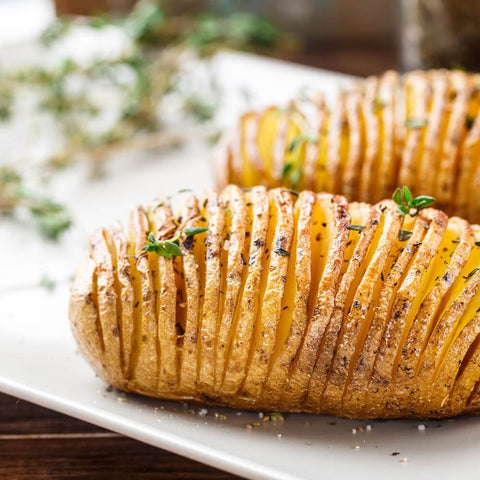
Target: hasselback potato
[(421, 130), (269, 299)]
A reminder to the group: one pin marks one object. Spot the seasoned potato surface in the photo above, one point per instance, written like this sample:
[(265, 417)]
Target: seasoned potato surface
[(277, 300)]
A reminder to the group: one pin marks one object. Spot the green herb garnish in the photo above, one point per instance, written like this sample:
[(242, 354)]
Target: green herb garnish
[(276, 417), (404, 235), (377, 105), (163, 248), (356, 228), (471, 274), (300, 139), (47, 283), (170, 248), (415, 122), (189, 231), (281, 252), (407, 204)]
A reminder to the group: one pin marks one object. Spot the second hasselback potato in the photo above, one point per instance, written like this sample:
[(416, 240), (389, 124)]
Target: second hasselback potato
[(272, 300), (421, 130)]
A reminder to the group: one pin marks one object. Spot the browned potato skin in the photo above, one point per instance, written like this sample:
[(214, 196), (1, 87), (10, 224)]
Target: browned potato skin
[(325, 360), (421, 130)]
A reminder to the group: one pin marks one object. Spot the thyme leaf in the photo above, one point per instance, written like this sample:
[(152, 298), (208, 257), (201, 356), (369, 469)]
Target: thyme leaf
[(356, 228)]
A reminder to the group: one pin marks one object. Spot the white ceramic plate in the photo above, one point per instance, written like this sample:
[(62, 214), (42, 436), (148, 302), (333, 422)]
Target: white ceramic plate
[(39, 361)]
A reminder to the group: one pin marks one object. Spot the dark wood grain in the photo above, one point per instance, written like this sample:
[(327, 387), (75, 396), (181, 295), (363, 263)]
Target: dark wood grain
[(360, 59), (37, 444)]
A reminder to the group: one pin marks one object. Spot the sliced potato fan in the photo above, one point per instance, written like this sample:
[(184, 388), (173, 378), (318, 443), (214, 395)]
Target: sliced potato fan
[(273, 300), (421, 130)]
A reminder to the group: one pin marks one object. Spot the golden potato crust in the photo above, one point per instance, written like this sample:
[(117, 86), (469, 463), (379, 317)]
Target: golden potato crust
[(421, 130), (285, 301)]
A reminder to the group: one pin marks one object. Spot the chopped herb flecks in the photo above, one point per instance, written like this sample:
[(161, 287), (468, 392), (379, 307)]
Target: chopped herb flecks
[(356, 228), (404, 235)]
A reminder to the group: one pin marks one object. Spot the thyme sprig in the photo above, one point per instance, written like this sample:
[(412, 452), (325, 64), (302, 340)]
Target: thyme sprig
[(407, 204), (170, 248), (51, 218)]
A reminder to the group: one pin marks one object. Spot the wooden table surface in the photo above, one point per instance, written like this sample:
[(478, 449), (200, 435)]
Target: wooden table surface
[(36, 443)]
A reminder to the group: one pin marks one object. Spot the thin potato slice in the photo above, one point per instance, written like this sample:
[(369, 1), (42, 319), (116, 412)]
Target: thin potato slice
[(428, 162), (160, 217), (418, 253), (404, 361), (208, 325), (233, 246), (355, 254), (325, 278), (469, 152), (474, 206), (312, 147), (294, 313), (84, 318), (192, 262), (124, 292), (386, 183), (106, 300), (144, 365), (452, 363), (275, 269), (460, 302), (279, 147), (453, 137), (358, 383), (359, 308), (259, 175), (351, 174), (417, 100), (337, 139), (246, 311), (371, 139), (266, 133)]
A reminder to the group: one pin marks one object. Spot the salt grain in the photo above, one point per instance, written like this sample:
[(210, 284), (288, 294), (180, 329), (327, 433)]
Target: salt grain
[(354, 431), (421, 428), (404, 460)]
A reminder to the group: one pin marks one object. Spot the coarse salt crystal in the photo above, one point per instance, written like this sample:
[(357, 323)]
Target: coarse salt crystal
[(421, 427)]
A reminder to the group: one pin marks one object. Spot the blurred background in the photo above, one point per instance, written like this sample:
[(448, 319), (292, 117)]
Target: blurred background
[(84, 79)]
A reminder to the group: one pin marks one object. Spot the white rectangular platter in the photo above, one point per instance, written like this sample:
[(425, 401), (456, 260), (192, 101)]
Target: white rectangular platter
[(39, 361)]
